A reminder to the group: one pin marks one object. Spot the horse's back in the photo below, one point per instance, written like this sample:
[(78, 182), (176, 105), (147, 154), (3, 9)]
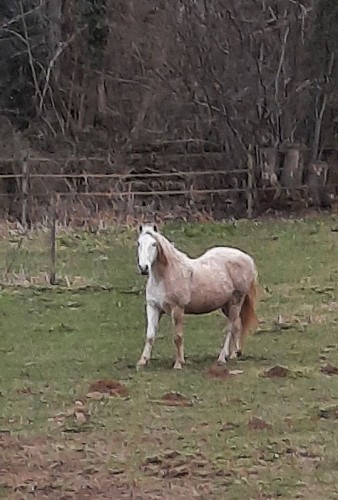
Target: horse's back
[(228, 263), (228, 254)]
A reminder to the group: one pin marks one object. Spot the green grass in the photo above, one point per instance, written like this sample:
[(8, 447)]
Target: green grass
[(55, 342)]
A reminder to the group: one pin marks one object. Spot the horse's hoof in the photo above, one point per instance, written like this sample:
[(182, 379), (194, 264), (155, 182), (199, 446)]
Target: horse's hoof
[(178, 365), (222, 360), (141, 364)]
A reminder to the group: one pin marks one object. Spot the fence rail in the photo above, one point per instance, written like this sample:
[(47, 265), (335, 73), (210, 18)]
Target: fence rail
[(125, 176), (107, 158), (26, 167), (301, 187), (25, 174)]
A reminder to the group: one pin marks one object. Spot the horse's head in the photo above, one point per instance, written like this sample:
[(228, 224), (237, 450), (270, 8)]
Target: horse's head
[(149, 248)]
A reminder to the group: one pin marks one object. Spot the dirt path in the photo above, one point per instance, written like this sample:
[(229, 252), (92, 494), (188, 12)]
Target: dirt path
[(78, 469)]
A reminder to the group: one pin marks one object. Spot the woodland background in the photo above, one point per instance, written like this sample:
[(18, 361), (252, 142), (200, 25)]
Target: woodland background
[(141, 89)]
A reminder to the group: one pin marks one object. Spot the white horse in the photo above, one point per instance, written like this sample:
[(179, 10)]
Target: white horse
[(222, 278)]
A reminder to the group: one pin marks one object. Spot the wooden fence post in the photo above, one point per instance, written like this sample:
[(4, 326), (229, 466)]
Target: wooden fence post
[(24, 192), (52, 274), (250, 183)]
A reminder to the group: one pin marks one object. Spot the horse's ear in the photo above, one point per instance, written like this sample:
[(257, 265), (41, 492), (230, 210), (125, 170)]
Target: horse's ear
[(140, 228), (155, 228)]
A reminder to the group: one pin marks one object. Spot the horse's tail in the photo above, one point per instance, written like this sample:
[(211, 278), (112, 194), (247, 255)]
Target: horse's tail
[(248, 312)]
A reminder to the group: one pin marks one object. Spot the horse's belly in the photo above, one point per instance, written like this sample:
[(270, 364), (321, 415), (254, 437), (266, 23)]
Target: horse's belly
[(200, 309), (206, 302)]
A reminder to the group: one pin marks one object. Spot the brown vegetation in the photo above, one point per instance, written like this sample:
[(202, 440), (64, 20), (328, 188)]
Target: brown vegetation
[(188, 86)]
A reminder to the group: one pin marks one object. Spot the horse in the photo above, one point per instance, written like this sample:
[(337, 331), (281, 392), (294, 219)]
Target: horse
[(222, 278)]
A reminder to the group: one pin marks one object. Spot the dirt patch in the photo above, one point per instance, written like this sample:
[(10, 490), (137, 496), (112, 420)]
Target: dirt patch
[(258, 424), (217, 372), (76, 468), (172, 464), (277, 371), (174, 399), (329, 369), (106, 387)]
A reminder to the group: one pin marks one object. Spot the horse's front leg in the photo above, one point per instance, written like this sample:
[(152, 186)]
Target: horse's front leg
[(177, 316), (153, 318)]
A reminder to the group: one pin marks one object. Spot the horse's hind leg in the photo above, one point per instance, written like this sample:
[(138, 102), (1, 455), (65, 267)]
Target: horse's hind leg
[(232, 344), (225, 352), (177, 315)]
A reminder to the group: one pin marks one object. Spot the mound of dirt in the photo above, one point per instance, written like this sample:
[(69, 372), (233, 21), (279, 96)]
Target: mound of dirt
[(257, 424), (175, 399), (108, 387), (217, 372), (276, 372)]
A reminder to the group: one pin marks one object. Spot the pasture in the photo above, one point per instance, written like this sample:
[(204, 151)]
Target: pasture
[(240, 437)]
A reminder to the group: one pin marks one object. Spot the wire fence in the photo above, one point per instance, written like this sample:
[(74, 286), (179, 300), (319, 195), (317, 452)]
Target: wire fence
[(24, 174), (119, 186)]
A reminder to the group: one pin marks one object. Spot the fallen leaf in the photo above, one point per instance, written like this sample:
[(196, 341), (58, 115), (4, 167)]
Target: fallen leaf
[(115, 472), (229, 426), (80, 417), (96, 395), (217, 372), (331, 412), (176, 471), (153, 460), (329, 369), (235, 372), (282, 323), (26, 391), (170, 454)]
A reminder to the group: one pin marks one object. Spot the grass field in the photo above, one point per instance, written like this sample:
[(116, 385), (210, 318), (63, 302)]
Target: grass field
[(58, 439)]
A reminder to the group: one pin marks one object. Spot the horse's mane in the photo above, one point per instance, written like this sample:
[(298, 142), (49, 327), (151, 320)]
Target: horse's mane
[(169, 250)]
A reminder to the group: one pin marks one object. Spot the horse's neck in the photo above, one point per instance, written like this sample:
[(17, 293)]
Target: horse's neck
[(172, 254), (176, 261)]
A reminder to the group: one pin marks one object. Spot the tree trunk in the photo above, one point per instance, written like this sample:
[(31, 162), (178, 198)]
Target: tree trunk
[(270, 164), (292, 172), (317, 182), (53, 12)]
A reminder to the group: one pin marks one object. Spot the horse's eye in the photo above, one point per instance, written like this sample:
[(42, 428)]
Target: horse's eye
[(154, 244)]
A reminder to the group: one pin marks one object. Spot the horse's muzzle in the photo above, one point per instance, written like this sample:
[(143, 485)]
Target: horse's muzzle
[(144, 270)]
